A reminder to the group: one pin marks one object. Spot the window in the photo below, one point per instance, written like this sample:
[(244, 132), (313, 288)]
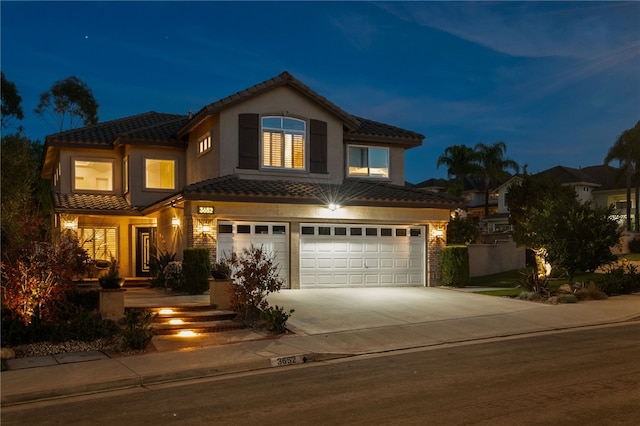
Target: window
[(204, 144), (324, 230), (244, 229), (125, 174), (283, 143), (93, 175), (160, 174), (100, 243), (308, 230), (225, 229), (368, 161)]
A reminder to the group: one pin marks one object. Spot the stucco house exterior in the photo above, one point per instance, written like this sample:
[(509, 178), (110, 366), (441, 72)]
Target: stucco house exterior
[(275, 165)]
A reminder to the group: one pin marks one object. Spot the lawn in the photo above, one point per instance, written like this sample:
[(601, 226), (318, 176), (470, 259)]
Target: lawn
[(509, 282), (630, 256)]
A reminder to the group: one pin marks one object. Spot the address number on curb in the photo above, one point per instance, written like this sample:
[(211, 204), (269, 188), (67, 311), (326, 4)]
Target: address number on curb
[(288, 360)]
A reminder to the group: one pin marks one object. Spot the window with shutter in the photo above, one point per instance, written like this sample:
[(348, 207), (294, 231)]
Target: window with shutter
[(283, 143)]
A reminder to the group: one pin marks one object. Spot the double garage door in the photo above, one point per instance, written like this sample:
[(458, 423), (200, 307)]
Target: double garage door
[(337, 255)]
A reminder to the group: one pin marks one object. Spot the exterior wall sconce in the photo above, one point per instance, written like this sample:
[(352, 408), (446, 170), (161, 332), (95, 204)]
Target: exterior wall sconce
[(175, 222), (437, 233), (333, 207), (206, 229), (69, 222)]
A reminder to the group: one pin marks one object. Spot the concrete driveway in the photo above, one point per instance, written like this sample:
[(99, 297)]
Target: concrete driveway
[(320, 311)]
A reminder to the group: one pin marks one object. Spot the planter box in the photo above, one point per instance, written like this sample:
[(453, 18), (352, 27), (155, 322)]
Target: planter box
[(112, 304), (219, 293)]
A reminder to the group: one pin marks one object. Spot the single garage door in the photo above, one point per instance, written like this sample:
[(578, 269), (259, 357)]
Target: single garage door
[(339, 255), (233, 237)]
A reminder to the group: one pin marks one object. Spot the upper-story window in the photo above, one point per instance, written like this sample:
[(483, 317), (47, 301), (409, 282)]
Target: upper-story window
[(368, 161), (283, 143), (160, 174), (93, 175), (204, 144)]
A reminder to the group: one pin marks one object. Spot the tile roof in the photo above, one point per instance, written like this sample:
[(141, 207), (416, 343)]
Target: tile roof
[(568, 175), (370, 129), (283, 79), (607, 176), (149, 126), (92, 203), (351, 192)]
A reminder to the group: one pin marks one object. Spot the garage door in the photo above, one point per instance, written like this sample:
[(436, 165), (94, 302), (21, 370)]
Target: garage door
[(233, 237), (338, 255)]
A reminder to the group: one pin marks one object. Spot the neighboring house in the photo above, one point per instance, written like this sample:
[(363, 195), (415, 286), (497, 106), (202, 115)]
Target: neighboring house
[(498, 222), (275, 165), (602, 185)]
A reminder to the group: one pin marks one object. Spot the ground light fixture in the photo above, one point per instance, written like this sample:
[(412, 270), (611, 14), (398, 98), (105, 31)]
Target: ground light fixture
[(187, 333)]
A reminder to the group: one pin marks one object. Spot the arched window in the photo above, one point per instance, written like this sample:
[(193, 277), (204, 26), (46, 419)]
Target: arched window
[(283, 143)]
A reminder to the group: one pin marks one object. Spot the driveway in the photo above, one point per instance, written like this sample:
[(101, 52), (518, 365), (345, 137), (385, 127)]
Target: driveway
[(347, 309)]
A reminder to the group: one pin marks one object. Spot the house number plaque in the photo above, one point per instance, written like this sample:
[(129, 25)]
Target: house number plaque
[(205, 210)]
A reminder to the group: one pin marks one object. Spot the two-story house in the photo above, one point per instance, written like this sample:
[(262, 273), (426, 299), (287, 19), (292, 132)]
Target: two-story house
[(276, 165)]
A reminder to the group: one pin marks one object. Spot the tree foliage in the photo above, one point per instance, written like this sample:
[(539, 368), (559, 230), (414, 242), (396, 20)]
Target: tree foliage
[(460, 161), (548, 218), (11, 102), (462, 230), (493, 166), (626, 150), (69, 99), (25, 198)]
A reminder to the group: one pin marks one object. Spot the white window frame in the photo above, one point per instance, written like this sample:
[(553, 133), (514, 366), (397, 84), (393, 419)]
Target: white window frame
[(87, 236), (74, 165), (146, 174), (287, 138), (367, 166)]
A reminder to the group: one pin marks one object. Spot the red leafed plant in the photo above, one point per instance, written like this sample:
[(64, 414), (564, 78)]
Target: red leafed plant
[(34, 284)]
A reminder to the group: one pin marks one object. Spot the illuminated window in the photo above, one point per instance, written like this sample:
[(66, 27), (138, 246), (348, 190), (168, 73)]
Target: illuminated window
[(204, 144), (100, 243), (283, 142), (93, 175), (368, 161), (125, 174), (160, 174)]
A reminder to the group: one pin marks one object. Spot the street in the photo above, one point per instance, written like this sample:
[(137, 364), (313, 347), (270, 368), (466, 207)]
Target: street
[(585, 377)]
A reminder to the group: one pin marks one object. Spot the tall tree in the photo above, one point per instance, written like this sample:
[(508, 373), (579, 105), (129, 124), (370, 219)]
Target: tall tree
[(460, 161), (548, 218), (626, 150), (69, 99), (493, 166), (11, 102)]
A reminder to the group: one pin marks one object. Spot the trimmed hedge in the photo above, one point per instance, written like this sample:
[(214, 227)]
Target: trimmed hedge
[(455, 266), (196, 269)]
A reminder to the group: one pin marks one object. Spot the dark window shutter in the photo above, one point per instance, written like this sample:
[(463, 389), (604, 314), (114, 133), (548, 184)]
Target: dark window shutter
[(318, 146), (248, 141)]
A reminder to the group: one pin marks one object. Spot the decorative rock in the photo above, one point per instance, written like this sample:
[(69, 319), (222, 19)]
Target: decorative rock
[(565, 289), (7, 353)]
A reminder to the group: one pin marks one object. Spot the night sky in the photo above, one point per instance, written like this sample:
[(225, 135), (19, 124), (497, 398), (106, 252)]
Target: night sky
[(557, 82)]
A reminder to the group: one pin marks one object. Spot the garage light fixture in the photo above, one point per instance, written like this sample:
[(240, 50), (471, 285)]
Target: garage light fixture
[(437, 233), (333, 207), (175, 222)]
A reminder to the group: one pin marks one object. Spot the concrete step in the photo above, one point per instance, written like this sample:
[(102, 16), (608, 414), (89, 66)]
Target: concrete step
[(197, 327)]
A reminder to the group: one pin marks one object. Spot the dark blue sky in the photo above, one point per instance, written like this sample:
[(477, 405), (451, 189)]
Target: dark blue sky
[(557, 82)]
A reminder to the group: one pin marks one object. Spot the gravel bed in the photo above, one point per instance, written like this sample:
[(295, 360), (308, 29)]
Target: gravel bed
[(48, 348)]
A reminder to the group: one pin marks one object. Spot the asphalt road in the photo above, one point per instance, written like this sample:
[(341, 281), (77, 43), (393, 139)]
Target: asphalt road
[(586, 377)]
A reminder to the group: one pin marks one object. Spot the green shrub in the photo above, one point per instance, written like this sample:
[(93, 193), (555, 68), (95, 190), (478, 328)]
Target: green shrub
[(455, 266), (138, 330), (196, 268), (563, 298), (634, 245), (622, 278), (534, 283), (591, 292), (529, 295), (158, 262), (275, 319)]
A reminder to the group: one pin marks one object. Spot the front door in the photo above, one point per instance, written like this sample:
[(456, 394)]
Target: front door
[(145, 243)]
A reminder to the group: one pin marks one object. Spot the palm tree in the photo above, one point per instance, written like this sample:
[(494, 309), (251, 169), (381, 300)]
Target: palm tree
[(626, 150), (493, 165), (460, 161)]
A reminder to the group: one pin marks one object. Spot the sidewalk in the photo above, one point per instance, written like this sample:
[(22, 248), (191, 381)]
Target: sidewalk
[(328, 324)]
